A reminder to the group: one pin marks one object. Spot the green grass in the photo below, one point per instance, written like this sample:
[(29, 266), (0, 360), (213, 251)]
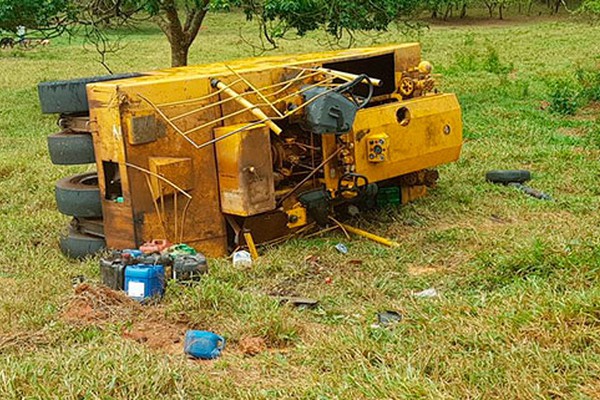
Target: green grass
[(518, 315)]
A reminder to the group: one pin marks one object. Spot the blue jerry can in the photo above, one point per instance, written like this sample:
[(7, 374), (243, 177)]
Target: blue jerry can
[(143, 281)]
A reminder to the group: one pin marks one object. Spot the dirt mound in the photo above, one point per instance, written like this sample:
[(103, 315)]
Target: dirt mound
[(99, 304)]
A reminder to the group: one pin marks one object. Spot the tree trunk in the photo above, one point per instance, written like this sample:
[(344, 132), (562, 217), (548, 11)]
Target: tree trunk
[(179, 54), (448, 12), (556, 6), (463, 11), (500, 16), (181, 36)]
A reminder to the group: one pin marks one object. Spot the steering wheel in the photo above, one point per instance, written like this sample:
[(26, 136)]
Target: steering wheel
[(348, 87)]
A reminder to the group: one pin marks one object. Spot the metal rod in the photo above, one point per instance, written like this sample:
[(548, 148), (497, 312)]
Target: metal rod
[(208, 96), (186, 194), (247, 105), (167, 120), (370, 236), (228, 134), (347, 76), (307, 177), (287, 114), (258, 92), (251, 246), (160, 220)]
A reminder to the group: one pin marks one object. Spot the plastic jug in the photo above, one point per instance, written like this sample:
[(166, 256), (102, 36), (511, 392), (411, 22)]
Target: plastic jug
[(242, 259), (189, 267), (203, 344), (144, 281)]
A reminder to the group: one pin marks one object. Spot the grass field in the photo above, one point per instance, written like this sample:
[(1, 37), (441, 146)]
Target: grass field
[(519, 310)]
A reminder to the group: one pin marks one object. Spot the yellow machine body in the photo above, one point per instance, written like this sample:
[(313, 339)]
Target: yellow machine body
[(201, 154)]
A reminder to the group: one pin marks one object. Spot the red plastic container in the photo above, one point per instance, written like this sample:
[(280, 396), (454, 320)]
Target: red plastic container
[(155, 246)]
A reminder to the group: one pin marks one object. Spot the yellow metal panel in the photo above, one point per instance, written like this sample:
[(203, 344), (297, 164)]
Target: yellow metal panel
[(245, 171), (138, 219), (432, 136), (177, 170)]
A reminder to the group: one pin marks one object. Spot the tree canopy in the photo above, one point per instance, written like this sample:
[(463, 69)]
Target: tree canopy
[(181, 20)]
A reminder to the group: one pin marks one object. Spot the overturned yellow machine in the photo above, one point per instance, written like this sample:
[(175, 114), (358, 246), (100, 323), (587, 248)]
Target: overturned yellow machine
[(270, 145)]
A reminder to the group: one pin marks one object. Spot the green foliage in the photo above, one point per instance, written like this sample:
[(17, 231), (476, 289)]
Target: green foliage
[(567, 94), (590, 9), (37, 14), (590, 84), (335, 17), (470, 58), (563, 96), (493, 64)]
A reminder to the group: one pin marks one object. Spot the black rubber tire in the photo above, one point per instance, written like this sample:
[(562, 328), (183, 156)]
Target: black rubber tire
[(79, 245), (71, 148), (70, 97), (79, 196), (508, 176)]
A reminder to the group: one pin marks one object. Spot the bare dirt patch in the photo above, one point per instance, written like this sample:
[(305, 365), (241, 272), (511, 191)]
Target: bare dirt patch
[(574, 131), (420, 270), (98, 305), (157, 335), (588, 113), (252, 346)]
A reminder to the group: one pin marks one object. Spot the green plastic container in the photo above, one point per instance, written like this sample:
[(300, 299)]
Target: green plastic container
[(388, 196)]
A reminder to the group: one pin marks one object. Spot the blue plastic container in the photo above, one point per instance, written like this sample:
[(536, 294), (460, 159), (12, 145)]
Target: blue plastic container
[(144, 281), (203, 344)]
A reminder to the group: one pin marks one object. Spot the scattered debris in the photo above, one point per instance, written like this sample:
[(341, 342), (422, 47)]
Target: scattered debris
[(155, 246), (341, 248), (516, 179), (387, 318), (531, 191), (242, 259), (300, 302), (252, 346), (77, 280), (180, 249), (203, 344), (431, 292), (329, 280), (189, 267), (144, 281), (355, 262)]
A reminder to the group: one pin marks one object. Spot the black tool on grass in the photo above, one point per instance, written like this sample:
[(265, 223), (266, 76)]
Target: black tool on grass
[(516, 179)]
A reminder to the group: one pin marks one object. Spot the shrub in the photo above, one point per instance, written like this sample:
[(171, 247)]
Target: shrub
[(564, 96)]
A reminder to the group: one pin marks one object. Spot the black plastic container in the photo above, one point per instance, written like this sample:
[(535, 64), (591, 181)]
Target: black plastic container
[(189, 267), (113, 273)]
